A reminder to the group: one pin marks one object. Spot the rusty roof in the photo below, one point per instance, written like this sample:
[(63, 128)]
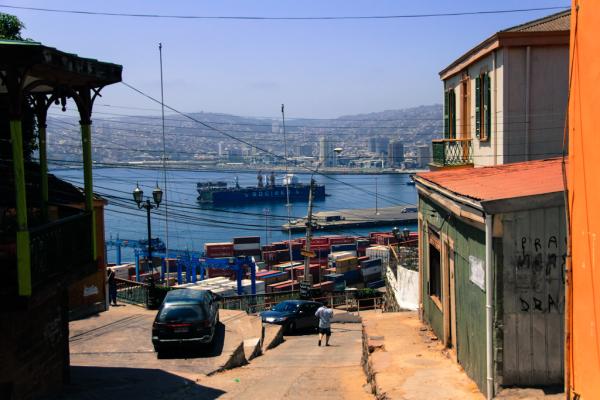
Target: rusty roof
[(500, 182), (556, 22)]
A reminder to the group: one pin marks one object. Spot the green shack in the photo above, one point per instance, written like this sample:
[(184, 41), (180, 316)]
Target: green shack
[(491, 270)]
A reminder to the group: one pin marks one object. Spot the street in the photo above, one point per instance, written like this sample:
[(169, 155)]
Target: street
[(299, 369)]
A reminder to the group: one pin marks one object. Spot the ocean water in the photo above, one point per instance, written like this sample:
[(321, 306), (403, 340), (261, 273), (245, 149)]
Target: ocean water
[(190, 224)]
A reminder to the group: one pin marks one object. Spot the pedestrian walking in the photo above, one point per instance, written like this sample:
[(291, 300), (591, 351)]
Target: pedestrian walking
[(324, 314), (112, 287)]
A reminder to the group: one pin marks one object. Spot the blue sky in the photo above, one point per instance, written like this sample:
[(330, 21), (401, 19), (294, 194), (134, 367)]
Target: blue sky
[(319, 69)]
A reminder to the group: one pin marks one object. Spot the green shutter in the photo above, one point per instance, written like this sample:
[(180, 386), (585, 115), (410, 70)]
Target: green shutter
[(452, 114), (446, 121), (488, 106), (478, 106)]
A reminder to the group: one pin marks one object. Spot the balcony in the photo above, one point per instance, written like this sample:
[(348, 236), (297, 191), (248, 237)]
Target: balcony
[(452, 153), (58, 249)]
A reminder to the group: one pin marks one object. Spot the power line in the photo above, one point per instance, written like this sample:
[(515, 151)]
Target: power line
[(264, 18)]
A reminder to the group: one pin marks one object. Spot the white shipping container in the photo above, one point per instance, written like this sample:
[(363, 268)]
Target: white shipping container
[(246, 246), (341, 254), (381, 252)]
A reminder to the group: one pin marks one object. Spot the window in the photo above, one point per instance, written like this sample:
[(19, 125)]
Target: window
[(435, 271), (450, 114), (483, 107)]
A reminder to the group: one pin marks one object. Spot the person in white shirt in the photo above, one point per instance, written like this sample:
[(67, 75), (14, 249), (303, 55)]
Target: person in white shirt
[(324, 314)]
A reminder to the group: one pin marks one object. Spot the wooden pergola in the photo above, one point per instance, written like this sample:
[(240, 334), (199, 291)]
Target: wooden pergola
[(42, 76)]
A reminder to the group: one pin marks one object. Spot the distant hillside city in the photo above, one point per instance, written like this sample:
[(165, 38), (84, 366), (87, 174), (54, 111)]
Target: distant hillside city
[(387, 140)]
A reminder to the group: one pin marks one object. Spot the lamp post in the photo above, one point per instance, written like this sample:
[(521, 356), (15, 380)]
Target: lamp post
[(138, 197)]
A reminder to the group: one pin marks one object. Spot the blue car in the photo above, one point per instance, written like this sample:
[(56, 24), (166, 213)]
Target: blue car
[(294, 315)]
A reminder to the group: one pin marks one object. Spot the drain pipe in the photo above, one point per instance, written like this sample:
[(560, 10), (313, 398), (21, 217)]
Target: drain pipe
[(489, 297)]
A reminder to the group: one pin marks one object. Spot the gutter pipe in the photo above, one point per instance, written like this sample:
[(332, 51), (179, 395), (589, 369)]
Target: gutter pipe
[(489, 296)]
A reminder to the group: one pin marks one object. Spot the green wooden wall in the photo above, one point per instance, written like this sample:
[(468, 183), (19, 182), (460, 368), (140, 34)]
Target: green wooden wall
[(470, 298)]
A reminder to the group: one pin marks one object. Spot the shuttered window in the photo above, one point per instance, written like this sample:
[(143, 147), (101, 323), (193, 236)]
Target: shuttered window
[(483, 107), (450, 114), (446, 116)]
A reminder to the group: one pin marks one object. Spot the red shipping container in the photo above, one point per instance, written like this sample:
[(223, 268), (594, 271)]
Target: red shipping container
[(342, 240), (319, 241)]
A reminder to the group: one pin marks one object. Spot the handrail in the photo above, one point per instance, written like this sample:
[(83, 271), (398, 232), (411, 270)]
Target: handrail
[(451, 140)]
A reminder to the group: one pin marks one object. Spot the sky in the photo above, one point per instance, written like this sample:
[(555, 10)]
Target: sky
[(319, 69)]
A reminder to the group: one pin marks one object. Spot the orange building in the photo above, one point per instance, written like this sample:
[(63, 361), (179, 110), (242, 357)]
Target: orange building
[(583, 289)]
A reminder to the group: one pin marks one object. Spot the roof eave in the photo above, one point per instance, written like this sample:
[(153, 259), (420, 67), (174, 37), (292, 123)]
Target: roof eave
[(504, 39)]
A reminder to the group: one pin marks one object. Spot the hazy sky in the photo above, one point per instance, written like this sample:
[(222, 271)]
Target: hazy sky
[(317, 68)]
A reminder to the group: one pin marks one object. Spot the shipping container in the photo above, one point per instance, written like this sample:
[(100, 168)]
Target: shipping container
[(343, 247), (342, 240), (246, 239)]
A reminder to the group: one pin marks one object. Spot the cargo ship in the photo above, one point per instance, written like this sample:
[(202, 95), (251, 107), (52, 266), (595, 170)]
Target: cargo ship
[(266, 191)]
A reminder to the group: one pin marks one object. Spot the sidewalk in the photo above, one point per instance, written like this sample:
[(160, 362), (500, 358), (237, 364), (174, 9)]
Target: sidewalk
[(402, 361)]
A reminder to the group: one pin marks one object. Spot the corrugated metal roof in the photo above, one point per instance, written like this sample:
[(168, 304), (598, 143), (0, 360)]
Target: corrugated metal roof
[(500, 182), (556, 22)]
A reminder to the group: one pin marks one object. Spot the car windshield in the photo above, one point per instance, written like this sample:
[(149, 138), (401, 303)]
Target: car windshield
[(181, 313), (286, 307)]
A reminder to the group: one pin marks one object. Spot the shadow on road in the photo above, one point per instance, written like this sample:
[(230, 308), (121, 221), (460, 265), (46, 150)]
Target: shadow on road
[(91, 383), (197, 351)]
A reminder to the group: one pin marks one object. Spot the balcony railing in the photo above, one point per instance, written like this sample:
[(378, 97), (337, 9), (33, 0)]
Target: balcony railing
[(452, 152), (61, 247)]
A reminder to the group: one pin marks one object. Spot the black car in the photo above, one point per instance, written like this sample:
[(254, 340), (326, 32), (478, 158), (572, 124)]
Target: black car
[(186, 316), (293, 315)]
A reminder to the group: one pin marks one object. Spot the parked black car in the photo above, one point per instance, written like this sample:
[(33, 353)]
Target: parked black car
[(186, 316), (293, 315)]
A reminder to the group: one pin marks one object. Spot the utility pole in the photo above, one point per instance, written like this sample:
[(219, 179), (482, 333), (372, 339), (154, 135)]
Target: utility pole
[(376, 198), (306, 284)]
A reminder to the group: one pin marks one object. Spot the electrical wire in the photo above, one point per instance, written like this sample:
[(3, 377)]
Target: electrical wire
[(264, 18)]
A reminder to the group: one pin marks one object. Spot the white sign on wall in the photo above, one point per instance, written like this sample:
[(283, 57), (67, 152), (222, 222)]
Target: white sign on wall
[(477, 272)]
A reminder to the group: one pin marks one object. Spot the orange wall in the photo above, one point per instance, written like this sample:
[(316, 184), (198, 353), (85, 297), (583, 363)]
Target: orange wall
[(584, 200)]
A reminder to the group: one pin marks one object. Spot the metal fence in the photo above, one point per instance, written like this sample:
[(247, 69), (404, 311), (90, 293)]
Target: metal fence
[(138, 293)]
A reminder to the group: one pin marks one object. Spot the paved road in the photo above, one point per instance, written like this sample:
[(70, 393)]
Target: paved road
[(299, 369), (112, 358)]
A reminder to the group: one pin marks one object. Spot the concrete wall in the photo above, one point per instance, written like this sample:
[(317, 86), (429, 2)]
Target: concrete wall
[(531, 304), (584, 196), (536, 100), (35, 346)]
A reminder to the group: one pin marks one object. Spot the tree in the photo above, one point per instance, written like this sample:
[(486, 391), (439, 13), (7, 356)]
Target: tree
[(10, 28)]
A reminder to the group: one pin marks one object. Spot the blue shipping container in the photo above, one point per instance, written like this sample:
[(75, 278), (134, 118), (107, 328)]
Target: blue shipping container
[(352, 276), (370, 263), (343, 247), (334, 277)]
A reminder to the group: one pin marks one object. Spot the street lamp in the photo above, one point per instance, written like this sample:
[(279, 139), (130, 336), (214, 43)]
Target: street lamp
[(138, 197)]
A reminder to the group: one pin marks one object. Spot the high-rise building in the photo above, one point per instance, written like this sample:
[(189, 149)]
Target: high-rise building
[(372, 144), (326, 155), (423, 156), (395, 153), (382, 145)]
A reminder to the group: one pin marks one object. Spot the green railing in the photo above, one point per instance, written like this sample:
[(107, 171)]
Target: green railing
[(452, 152)]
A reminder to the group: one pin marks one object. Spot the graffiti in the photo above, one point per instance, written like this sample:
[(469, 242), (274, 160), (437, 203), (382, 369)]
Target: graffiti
[(536, 304), (539, 274)]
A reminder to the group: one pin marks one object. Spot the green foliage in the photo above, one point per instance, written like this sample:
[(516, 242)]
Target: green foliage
[(10, 27)]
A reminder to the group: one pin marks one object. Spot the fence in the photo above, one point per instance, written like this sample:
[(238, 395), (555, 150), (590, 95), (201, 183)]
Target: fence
[(139, 293)]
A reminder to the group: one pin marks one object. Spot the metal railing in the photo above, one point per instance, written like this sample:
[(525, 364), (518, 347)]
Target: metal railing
[(61, 246), (452, 152), (132, 292)]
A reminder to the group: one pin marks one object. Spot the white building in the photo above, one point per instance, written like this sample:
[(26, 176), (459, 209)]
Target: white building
[(505, 99)]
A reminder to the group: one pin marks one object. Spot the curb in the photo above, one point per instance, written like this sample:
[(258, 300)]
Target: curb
[(272, 336), (372, 344)]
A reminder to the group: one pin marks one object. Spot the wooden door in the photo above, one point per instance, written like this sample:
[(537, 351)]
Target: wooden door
[(452, 308)]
